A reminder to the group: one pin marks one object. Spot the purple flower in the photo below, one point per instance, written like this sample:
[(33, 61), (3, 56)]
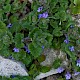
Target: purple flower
[(16, 50), (39, 9), (68, 76), (76, 73), (9, 25), (60, 69), (13, 76), (71, 48), (78, 62), (71, 26), (27, 50), (42, 47), (45, 15), (40, 16), (66, 41)]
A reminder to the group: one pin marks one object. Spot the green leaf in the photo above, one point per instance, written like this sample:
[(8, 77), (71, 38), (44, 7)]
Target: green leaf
[(57, 63), (57, 32), (31, 34), (7, 8), (56, 44), (33, 71), (44, 69), (35, 51), (41, 58), (53, 23), (26, 25), (76, 2), (3, 26), (4, 51), (18, 40), (26, 60), (7, 38), (16, 27), (1, 44), (71, 54), (7, 1)]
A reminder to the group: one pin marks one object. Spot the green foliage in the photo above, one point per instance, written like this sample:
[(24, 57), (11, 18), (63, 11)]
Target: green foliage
[(44, 69), (35, 51), (33, 71), (60, 78), (75, 9), (57, 63), (41, 58), (7, 8), (18, 40), (47, 32)]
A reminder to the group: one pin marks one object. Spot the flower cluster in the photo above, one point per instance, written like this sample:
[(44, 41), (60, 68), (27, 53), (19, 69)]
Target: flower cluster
[(43, 15), (71, 48)]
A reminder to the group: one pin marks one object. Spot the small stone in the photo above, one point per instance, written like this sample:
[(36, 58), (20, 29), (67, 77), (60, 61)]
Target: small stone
[(10, 67), (42, 75)]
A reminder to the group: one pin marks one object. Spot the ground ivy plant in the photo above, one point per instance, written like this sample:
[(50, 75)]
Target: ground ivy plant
[(26, 29)]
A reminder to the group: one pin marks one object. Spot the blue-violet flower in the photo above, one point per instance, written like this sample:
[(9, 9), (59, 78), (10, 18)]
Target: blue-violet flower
[(68, 76), (13, 76), (42, 47), (66, 41), (71, 48), (27, 50), (71, 26), (16, 50), (40, 16), (40, 9), (76, 73), (78, 62), (60, 69), (44, 15), (9, 25)]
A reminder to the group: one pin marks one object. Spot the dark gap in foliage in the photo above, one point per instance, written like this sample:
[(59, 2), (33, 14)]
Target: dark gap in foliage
[(69, 2), (11, 46), (21, 1), (25, 32), (9, 15), (20, 15), (28, 7), (11, 1)]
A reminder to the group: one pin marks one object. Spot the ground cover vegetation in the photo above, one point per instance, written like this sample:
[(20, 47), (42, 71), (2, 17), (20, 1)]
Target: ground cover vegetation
[(26, 29)]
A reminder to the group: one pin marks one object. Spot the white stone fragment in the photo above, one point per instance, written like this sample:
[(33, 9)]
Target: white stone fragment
[(31, 1), (51, 55), (42, 75), (9, 67)]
